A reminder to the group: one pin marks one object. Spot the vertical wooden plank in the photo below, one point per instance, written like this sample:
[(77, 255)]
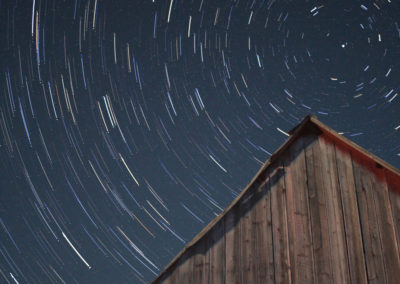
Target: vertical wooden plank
[(247, 227), (185, 269), (351, 217), (217, 254), (171, 278), (290, 219), (394, 196), (300, 239), (207, 255), (264, 252), (199, 261), (369, 226), (334, 211), (385, 224), (280, 228), (318, 211), (232, 246)]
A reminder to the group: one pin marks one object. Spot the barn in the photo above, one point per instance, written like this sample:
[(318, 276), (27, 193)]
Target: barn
[(320, 210)]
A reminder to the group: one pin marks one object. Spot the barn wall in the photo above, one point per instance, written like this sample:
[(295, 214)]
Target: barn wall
[(319, 214)]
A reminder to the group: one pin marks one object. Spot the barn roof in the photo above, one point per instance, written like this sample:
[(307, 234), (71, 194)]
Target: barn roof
[(309, 123)]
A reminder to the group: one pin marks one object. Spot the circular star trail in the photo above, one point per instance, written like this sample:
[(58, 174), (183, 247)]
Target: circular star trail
[(126, 126)]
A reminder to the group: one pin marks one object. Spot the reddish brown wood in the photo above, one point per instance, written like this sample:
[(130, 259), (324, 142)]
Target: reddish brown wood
[(264, 253), (185, 269), (298, 215), (217, 254), (318, 199), (351, 217), (321, 210), (247, 240), (385, 225), (207, 262), (172, 278), (280, 228), (394, 203), (290, 219), (232, 247), (334, 211), (200, 262), (369, 226)]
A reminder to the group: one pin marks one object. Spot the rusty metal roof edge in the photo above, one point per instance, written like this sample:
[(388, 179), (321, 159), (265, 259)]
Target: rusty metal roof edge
[(294, 134)]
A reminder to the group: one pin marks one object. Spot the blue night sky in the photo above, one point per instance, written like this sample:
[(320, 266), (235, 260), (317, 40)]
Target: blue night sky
[(126, 126)]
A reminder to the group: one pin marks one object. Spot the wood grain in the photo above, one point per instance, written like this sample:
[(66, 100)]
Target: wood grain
[(369, 225), (247, 239), (321, 210), (217, 254), (264, 245), (386, 226), (298, 215), (334, 211), (185, 269), (351, 217), (200, 262), (280, 230), (320, 223), (232, 247)]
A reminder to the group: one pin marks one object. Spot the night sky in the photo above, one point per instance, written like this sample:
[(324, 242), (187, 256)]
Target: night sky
[(126, 126)]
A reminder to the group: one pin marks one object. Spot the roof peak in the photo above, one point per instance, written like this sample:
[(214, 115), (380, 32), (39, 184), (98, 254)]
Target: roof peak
[(309, 124)]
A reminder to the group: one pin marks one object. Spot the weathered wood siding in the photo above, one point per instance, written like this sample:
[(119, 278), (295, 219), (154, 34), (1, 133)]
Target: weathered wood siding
[(321, 213)]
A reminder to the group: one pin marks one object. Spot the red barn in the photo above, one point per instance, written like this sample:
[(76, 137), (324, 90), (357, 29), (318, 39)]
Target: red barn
[(320, 210)]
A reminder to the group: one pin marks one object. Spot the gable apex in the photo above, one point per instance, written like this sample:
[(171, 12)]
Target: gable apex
[(309, 126), (311, 121)]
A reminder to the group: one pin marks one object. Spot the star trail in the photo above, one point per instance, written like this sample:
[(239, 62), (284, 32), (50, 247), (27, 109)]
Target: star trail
[(126, 126)]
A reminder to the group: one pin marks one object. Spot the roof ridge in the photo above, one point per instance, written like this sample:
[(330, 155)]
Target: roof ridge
[(295, 133)]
